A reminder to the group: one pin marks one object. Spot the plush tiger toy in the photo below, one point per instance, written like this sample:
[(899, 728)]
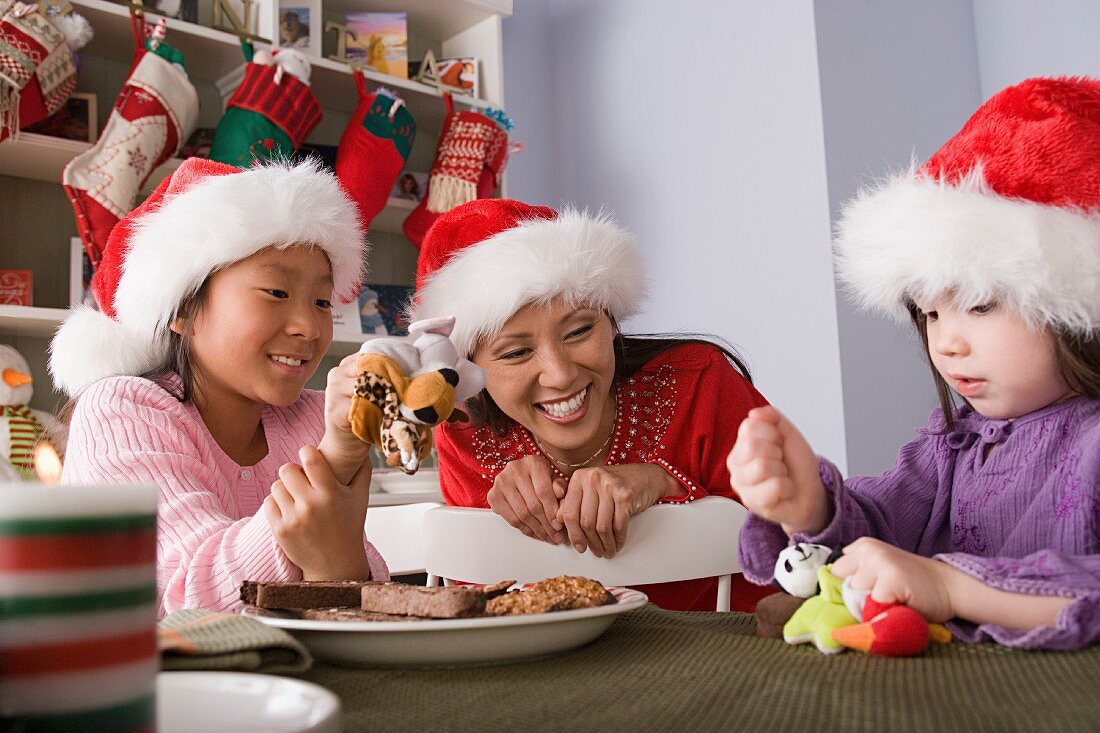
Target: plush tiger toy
[(405, 388)]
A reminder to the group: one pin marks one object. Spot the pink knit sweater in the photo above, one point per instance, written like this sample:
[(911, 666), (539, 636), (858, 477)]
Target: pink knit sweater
[(211, 532)]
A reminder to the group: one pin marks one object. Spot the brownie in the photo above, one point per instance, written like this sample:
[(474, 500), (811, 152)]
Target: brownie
[(412, 600), (302, 594), (351, 614)]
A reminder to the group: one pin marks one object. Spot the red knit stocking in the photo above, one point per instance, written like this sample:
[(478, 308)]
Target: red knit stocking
[(37, 72), (469, 161)]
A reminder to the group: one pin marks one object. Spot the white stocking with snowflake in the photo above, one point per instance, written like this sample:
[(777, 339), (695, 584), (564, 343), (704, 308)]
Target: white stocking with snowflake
[(155, 112)]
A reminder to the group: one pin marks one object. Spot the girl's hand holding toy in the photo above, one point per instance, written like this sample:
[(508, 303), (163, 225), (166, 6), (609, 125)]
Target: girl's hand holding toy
[(318, 520)]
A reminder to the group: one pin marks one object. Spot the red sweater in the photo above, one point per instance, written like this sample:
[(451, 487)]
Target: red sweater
[(681, 411)]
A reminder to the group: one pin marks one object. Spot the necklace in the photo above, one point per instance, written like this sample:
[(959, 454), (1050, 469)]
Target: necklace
[(592, 457), (583, 463)]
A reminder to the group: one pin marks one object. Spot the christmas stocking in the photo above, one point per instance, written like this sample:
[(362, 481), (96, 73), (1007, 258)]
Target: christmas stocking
[(373, 149), (154, 113), (469, 161), (271, 113), (37, 66)]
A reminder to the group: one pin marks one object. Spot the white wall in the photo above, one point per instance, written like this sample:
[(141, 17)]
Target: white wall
[(897, 80), (1022, 38), (699, 124)]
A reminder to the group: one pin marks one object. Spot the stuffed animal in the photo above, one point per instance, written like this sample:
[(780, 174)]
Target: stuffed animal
[(405, 388), (796, 575), (796, 568), (816, 619), (893, 630), (889, 630), (22, 428)]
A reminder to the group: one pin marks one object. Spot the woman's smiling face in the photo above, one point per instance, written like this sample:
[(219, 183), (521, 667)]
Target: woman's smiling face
[(551, 368)]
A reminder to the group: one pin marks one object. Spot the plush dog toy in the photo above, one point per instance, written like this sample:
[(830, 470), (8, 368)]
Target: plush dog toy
[(406, 387)]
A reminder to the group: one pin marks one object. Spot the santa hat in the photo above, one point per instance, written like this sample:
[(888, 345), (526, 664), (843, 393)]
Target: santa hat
[(203, 218), (1007, 210), (484, 260)]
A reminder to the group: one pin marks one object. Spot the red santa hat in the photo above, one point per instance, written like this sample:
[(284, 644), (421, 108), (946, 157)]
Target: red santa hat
[(203, 218), (484, 260), (1007, 210)]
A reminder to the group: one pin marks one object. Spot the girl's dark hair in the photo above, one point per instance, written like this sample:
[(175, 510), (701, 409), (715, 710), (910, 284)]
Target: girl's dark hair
[(179, 360), (1077, 357), (631, 354)]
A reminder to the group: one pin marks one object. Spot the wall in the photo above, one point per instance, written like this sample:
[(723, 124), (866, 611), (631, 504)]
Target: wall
[(897, 80), (1021, 38), (699, 125)]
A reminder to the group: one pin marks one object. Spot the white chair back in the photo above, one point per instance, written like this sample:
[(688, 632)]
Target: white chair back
[(395, 533), (665, 543)]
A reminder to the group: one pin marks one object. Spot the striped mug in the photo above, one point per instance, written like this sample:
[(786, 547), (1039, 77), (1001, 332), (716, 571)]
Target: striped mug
[(78, 647)]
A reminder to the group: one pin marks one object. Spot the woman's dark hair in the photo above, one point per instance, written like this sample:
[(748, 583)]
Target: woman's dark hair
[(1077, 357), (631, 354)]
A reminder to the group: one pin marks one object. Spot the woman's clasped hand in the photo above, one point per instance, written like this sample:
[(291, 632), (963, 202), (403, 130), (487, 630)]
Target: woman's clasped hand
[(590, 509)]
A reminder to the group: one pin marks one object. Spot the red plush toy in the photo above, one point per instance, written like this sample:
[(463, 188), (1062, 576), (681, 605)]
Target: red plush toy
[(888, 630)]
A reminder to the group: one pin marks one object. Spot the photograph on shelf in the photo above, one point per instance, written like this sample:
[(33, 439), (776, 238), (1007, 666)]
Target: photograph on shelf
[(80, 275), (380, 41), (410, 185), (15, 287), (460, 73), (300, 25), (76, 120), (187, 10), (382, 309)]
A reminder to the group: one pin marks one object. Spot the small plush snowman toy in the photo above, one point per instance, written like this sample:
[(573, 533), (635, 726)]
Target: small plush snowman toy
[(21, 428)]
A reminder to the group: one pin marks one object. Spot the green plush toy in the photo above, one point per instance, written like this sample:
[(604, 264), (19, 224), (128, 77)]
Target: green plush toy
[(818, 616)]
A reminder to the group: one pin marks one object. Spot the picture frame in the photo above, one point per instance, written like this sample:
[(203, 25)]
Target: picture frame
[(460, 73), (75, 120), (378, 41), (16, 287), (382, 309), (299, 25), (80, 275), (410, 185)]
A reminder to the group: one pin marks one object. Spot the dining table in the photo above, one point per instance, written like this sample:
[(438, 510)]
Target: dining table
[(659, 670)]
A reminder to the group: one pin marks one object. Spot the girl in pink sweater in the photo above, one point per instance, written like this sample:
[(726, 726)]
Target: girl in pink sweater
[(214, 311)]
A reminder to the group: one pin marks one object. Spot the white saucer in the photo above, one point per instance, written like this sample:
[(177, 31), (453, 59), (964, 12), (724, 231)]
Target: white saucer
[(232, 702)]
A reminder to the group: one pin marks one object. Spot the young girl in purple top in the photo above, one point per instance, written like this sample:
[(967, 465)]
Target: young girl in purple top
[(990, 519)]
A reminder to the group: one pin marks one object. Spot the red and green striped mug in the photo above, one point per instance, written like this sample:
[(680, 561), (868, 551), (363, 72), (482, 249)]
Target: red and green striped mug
[(78, 647)]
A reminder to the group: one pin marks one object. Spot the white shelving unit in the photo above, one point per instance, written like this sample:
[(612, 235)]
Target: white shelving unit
[(39, 222)]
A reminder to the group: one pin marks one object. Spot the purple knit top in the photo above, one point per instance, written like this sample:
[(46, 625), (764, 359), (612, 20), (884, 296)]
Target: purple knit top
[(1024, 517)]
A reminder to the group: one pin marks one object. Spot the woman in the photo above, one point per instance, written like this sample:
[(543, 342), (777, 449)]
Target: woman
[(579, 427)]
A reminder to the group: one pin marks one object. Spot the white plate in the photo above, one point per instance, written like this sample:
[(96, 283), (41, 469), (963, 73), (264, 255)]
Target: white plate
[(213, 702), (452, 642), (396, 482)]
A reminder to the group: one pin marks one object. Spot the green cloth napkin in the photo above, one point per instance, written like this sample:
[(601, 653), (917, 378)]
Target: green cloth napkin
[(195, 639)]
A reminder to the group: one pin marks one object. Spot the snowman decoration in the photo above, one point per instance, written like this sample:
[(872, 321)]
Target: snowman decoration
[(21, 428)]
